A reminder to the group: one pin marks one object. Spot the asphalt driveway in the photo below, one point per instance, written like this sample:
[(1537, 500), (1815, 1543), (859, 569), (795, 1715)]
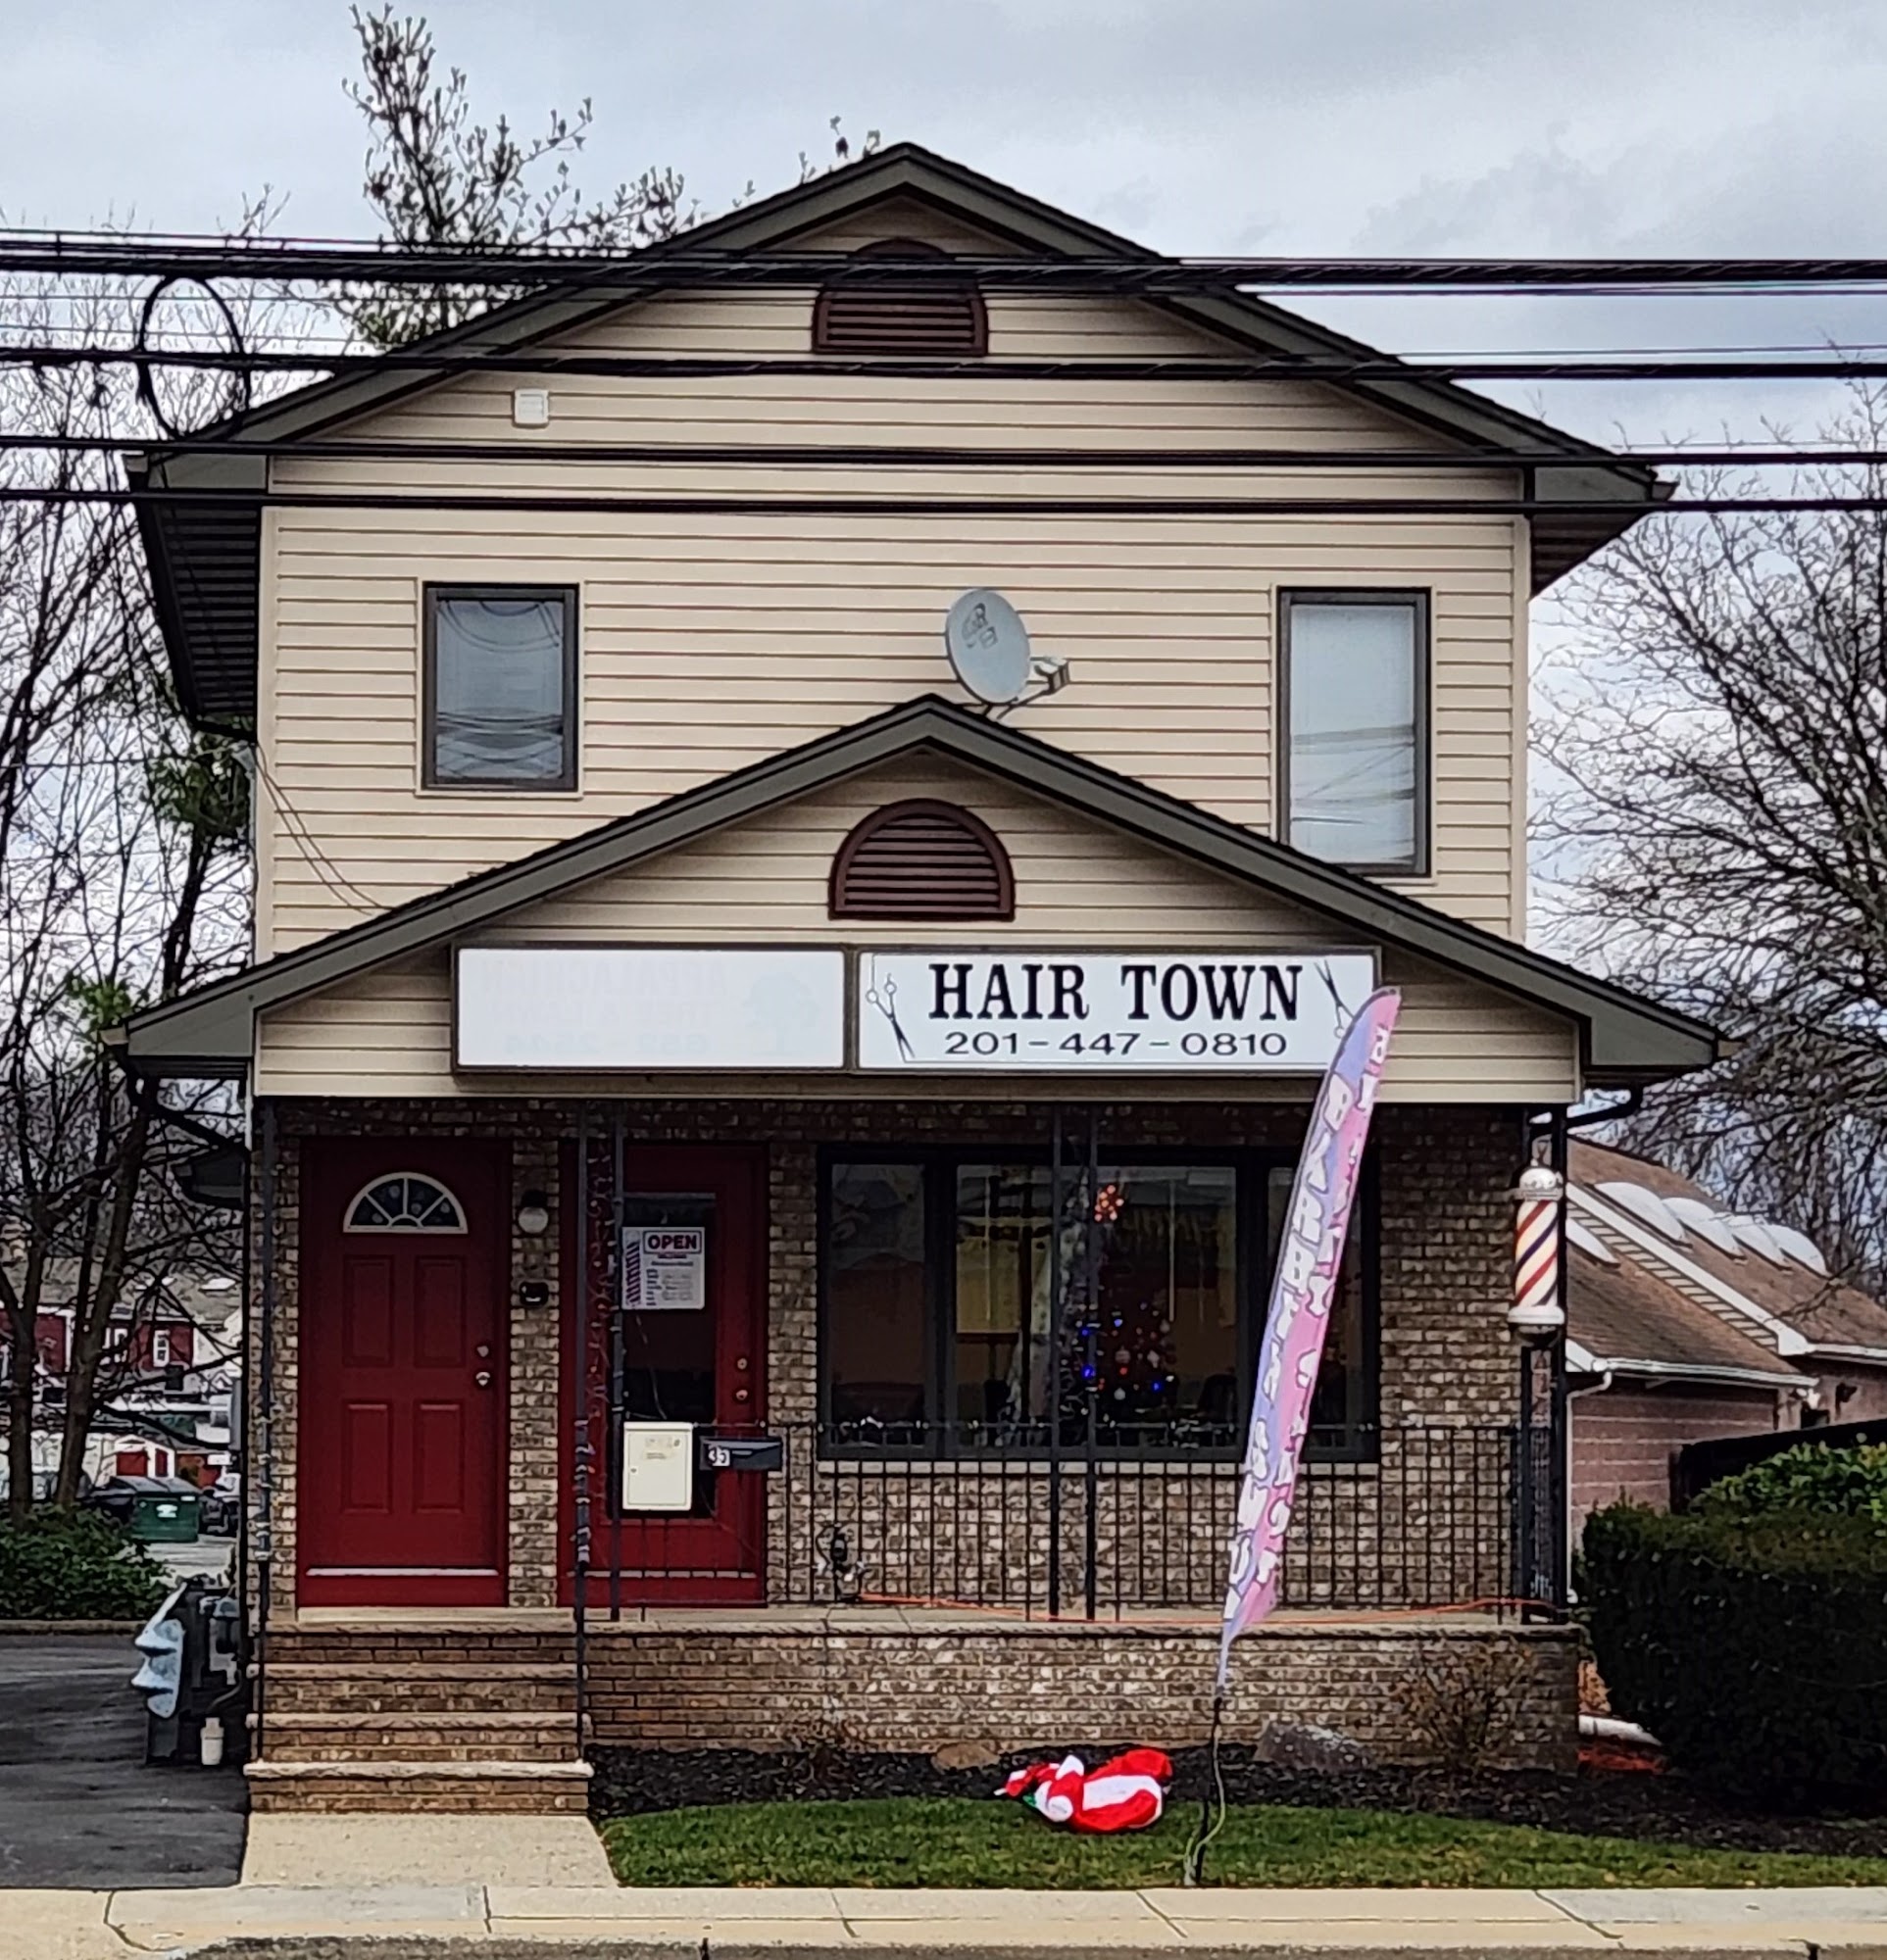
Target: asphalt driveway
[(77, 1805)]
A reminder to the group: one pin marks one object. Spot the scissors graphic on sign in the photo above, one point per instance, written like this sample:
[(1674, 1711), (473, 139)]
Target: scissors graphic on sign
[(885, 999)]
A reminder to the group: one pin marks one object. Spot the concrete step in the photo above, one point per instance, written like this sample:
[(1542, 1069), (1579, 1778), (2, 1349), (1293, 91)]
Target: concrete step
[(516, 1789)]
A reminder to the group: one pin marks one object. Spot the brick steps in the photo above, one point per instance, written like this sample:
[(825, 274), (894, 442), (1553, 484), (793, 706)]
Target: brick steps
[(380, 1688), (429, 1734), (487, 1788), (371, 1718)]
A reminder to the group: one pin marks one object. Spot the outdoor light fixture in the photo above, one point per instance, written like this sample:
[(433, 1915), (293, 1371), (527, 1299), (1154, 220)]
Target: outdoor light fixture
[(533, 1213)]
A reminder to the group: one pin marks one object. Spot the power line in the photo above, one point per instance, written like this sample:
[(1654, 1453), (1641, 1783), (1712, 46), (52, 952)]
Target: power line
[(1757, 453), (132, 254), (1376, 368), (893, 505)]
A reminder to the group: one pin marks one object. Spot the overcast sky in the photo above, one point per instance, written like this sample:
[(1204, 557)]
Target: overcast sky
[(1460, 126)]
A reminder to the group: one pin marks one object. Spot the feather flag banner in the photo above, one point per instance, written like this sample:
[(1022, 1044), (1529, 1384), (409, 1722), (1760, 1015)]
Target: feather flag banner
[(1309, 1262)]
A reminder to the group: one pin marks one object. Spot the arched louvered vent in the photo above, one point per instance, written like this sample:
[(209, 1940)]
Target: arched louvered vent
[(922, 860), (877, 314)]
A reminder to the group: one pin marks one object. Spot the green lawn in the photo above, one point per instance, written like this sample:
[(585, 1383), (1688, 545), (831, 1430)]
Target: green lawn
[(964, 1841)]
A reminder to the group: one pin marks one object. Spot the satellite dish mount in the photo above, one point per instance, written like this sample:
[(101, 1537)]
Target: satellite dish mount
[(989, 651)]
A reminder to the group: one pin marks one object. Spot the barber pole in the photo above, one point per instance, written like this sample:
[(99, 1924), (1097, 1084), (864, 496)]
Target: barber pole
[(1540, 1196)]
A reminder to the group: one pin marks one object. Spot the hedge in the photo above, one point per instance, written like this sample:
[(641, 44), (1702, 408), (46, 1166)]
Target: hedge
[(1808, 1478), (1755, 1647), (74, 1565)]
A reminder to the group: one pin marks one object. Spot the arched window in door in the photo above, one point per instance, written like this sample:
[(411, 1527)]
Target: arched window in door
[(405, 1200)]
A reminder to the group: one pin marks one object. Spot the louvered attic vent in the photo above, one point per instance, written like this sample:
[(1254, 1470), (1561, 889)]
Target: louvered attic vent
[(878, 316), (921, 861)]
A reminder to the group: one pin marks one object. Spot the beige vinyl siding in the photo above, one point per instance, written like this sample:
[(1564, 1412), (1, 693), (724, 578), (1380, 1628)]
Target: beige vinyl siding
[(709, 642), (765, 881)]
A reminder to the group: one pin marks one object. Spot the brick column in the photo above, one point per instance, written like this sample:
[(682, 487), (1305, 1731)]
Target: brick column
[(536, 1361)]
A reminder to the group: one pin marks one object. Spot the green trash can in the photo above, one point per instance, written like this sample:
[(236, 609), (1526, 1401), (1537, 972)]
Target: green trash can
[(153, 1510)]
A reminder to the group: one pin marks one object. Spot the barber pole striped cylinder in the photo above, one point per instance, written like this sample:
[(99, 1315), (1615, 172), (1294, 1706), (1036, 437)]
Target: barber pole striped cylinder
[(1536, 1313)]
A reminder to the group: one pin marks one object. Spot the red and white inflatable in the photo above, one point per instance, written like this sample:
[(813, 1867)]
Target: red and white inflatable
[(1127, 1792)]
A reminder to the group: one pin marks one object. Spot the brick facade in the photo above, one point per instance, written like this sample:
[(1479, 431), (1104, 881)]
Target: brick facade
[(1623, 1437)]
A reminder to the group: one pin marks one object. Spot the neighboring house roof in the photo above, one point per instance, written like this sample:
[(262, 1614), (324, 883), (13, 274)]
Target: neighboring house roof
[(211, 1031), (1761, 1279), (1623, 1320), (205, 558)]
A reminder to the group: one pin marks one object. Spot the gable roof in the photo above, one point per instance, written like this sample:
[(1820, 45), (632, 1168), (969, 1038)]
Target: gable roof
[(1624, 1319), (210, 1032), (1793, 1309), (205, 558)]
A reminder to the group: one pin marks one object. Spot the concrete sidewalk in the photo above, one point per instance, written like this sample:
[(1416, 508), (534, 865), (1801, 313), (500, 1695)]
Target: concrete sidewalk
[(326, 1922)]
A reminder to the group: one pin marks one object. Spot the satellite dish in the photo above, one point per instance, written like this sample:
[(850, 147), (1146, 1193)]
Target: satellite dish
[(988, 646)]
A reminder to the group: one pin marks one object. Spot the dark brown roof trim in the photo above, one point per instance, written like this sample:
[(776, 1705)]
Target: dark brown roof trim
[(211, 1032)]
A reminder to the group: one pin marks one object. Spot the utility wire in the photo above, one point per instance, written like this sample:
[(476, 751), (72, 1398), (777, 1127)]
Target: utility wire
[(142, 255), (245, 502), (1757, 453), (1375, 368)]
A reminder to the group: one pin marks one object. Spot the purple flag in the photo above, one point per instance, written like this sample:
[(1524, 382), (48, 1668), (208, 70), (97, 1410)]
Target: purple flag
[(1309, 1262)]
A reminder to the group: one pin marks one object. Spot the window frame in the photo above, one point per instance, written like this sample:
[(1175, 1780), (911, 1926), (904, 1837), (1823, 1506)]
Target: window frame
[(431, 595), (939, 1163), (1417, 600)]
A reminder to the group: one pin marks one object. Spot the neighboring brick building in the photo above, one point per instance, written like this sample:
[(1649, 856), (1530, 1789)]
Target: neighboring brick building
[(769, 1158), (1687, 1321)]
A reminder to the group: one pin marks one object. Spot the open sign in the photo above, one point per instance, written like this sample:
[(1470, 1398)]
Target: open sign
[(664, 1268)]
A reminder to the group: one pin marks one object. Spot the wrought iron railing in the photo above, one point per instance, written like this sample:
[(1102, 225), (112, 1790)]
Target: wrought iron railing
[(1395, 1516)]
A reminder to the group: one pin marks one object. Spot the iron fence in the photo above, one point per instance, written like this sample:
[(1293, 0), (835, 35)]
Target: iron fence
[(1391, 1517)]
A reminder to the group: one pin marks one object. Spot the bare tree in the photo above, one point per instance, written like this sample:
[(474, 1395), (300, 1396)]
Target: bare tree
[(436, 175), (1716, 823), (121, 840)]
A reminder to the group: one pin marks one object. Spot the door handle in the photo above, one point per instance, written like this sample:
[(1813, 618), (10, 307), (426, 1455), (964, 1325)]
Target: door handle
[(484, 1378)]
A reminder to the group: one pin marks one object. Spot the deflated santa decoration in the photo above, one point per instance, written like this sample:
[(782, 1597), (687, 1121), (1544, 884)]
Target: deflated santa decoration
[(1127, 1792)]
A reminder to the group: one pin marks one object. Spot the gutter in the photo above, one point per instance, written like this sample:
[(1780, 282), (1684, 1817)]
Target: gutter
[(1877, 1357), (1700, 1371)]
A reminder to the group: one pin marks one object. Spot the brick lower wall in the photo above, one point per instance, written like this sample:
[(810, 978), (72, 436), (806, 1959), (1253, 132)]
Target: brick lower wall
[(1046, 1686)]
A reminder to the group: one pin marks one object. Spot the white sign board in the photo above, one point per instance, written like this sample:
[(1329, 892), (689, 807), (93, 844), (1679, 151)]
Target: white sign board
[(648, 1008), (1184, 1013), (664, 1268), (658, 1466)]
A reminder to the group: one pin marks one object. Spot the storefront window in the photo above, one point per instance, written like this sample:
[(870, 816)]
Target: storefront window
[(874, 1274), (940, 1313)]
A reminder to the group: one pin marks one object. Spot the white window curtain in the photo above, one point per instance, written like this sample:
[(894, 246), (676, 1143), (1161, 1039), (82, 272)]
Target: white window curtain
[(1354, 770), (499, 712)]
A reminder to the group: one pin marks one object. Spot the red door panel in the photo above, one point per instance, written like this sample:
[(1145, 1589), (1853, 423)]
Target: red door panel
[(705, 1366), (401, 1383)]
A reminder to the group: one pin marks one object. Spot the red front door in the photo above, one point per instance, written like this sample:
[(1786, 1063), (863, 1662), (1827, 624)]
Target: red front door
[(689, 1354), (403, 1395)]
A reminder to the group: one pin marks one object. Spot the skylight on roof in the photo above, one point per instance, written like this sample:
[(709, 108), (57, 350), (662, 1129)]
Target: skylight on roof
[(1756, 1235), (1799, 1247), (1646, 1206), (1707, 1223), (1589, 1243)]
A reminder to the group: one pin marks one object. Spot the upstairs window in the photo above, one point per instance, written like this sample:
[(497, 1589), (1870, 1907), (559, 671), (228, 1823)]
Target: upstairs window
[(877, 313), (1353, 761), (500, 687)]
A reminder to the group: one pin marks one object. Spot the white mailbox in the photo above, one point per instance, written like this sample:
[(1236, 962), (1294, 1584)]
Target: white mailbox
[(658, 1466)]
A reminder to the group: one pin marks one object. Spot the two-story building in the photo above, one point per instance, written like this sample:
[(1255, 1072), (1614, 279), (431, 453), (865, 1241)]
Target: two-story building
[(766, 1165)]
